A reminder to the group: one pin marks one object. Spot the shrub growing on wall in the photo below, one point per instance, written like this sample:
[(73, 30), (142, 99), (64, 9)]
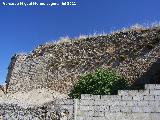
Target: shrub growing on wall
[(101, 82)]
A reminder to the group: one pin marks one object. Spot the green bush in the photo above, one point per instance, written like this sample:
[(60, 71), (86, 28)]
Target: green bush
[(101, 82)]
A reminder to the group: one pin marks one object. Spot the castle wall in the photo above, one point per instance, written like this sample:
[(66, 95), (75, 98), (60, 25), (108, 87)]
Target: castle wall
[(59, 66)]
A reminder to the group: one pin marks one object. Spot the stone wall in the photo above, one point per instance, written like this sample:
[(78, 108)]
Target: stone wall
[(59, 66), (127, 105)]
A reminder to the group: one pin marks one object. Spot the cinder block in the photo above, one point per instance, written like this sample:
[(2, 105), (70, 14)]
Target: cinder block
[(154, 92), (157, 97), (156, 108), (149, 97), (96, 118), (110, 97), (131, 103), (133, 92), (142, 109), (141, 116), (110, 116), (126, 97), (138, 97), (117, 103), (143, 103), (152, 86), (89, 96), (79, 118), (115, 109), (98, 113), (154, 103), (86, 113), (101, 108), (120, 116), (86, 102), (100, 102), (126, 109), (86, 108), (154, 116)]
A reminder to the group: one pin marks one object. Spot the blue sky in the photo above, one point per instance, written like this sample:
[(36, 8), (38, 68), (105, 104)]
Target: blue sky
[(24, 28)]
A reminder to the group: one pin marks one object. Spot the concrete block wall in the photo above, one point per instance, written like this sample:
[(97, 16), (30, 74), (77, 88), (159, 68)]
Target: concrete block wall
[(127, 105)]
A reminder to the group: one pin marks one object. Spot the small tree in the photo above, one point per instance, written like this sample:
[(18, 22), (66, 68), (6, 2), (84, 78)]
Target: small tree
[(101, 82)]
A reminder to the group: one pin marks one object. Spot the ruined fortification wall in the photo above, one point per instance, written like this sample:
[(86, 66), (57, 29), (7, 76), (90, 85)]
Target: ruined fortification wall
[(58, 66), (60, 109), (127, 105)]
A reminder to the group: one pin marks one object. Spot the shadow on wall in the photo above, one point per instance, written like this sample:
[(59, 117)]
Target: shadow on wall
[(152, 76)]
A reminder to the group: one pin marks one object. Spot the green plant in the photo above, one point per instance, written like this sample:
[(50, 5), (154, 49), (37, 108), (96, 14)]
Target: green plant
[(101, 82)]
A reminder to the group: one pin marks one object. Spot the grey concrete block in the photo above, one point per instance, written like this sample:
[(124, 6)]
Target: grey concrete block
[(152, 86), (142, 103), (133, 92), (86, 102), (97, 118), (101, 108), (100, 102), (117, 103), (98, 113), (126, 109), (149, 97), (154, 92), (110, 97), (138, 97), (126, 97), (157, 97), (79, 118), (86, 108), (85, 113), (89, 96), (131, 103), (154, 103), (115, 109), (142, 116), (110, 116), (127, 92), (144, 109)]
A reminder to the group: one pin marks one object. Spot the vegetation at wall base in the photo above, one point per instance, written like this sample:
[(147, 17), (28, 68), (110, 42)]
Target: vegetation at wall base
[(100, 82)]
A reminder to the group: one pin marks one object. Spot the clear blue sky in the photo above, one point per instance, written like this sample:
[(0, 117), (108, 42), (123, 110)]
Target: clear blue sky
[(24, 28)]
